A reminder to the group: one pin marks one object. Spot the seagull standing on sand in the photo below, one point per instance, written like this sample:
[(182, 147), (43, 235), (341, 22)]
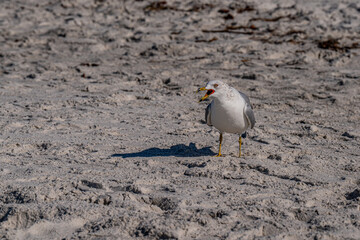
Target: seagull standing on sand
[(229, 111)]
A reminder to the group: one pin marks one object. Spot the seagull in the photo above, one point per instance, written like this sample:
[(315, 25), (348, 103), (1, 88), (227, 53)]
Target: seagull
[(229, 111)]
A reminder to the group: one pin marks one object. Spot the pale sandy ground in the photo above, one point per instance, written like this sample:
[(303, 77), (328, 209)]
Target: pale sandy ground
[(102, 136)]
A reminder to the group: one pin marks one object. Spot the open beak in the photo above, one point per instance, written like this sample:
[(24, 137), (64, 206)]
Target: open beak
[(207, 94)]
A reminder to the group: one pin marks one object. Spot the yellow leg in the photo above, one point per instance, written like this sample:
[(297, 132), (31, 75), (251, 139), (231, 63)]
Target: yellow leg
[(239, 146), (220, 140)]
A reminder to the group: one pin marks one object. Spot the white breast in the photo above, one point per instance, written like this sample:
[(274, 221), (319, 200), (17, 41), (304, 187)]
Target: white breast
[(228, 115)]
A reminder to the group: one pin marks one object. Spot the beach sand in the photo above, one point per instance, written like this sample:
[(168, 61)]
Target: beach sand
[(102, 135)]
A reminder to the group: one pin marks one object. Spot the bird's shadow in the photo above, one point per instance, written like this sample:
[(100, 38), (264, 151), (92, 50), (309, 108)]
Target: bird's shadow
[(179, 150)]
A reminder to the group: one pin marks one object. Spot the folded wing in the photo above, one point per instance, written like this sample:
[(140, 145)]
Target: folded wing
[(249, 114), (208, 114)]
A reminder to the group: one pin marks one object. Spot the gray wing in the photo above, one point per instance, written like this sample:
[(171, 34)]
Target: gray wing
[(249, 114), (208, 114)]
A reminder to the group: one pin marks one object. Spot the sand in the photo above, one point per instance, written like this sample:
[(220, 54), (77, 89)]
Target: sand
[(102, 136)]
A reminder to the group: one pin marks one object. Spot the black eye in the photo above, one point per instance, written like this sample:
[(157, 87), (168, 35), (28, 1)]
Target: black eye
[(216, 85)]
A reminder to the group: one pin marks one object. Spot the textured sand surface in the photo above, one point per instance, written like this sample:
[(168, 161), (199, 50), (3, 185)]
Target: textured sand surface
[(102, 136)]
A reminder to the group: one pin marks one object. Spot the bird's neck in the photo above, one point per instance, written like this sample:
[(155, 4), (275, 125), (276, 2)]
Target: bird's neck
[(226, 97)]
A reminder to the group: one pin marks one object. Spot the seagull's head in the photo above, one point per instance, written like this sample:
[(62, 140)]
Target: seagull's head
[(213, 89)]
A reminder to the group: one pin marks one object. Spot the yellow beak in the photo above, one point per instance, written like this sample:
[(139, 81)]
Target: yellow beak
[(201, 89), (205, 96)]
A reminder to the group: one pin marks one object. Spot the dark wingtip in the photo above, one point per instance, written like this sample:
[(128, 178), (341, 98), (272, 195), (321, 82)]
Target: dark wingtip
[(243, 135)]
